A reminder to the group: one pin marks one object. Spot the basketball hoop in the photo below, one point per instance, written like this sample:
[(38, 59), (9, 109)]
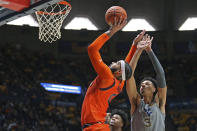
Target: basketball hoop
[(50, 20)]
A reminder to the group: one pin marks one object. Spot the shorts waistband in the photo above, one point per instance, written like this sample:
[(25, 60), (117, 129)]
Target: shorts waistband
[(90, 124)]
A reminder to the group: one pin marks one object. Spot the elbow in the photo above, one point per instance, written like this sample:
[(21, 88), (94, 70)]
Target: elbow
[(161, 81), (132, 68), (162, 73), (90, 49)]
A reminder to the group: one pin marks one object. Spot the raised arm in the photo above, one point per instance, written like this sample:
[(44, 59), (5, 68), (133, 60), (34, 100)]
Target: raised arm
[(131, 84), (160, 76), (134, 46), (93, 50)]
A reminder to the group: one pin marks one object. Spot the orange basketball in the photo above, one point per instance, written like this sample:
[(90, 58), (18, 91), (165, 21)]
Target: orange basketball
[(115, 11)]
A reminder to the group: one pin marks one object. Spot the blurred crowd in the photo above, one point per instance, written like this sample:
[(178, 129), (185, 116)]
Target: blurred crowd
[(25, 105)]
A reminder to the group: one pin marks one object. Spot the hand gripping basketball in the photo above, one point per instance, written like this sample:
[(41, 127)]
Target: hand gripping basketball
[(114, 14)]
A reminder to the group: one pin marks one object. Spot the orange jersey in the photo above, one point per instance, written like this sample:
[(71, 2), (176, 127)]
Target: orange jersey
[(104, 87), (98, 127)]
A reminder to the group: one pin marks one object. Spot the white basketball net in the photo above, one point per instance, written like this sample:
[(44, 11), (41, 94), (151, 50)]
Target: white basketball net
[(50, 21)]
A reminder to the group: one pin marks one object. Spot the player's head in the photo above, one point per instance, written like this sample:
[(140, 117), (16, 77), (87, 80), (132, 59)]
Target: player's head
[(148, 87), (121, 70), (119, 119)]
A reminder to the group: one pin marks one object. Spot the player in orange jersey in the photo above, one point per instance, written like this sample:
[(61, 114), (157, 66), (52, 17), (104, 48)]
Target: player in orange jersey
[(107, 84)]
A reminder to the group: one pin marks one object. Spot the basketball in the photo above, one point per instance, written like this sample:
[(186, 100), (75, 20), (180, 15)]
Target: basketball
[(115, 11)]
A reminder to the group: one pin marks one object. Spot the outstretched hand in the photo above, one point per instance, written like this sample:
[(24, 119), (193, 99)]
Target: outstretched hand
[(149, 41), (118, 24), (139, 37), (145, 43)]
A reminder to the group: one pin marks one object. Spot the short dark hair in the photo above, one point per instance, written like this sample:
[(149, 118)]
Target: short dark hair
[(149, 79), (154, 81), (123, 115), (128, 70)]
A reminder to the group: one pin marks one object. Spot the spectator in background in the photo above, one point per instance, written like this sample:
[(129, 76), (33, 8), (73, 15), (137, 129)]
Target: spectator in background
[(118, 120)]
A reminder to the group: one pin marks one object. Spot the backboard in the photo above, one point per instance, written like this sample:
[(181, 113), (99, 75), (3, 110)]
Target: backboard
[(7, 15)]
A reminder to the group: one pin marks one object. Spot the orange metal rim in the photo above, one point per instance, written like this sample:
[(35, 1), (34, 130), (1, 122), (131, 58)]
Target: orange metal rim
[(58, 13), (65, 3)]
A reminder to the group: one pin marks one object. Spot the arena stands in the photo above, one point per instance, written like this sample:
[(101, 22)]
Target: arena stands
[(25, 105)]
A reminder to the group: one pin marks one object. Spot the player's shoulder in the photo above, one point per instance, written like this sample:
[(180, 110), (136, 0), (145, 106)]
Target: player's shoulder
[(107, 80)]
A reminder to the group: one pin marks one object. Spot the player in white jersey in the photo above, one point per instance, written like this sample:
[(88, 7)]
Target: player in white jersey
[(148, 113)]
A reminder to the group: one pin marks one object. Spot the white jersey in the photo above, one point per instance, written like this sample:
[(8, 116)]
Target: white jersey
[(147, 118)]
